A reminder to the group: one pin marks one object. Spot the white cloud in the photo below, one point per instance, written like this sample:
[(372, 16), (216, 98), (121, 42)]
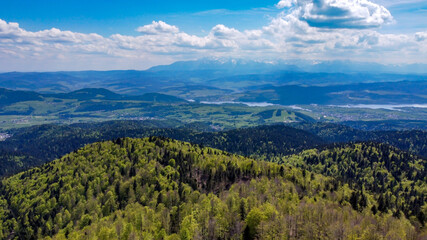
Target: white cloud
[(307, 29), (159, 27), (222, 32), (285, 3), (355, 14)]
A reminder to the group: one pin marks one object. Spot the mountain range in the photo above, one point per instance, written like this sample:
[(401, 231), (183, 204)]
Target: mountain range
[(236, 75)]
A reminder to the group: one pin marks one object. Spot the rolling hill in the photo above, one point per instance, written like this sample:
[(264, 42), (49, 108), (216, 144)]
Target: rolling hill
[(362, 93), (226, 74), (47, 142), (85, 94), (157, 188)]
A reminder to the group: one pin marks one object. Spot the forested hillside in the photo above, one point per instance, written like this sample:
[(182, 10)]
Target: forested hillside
[(399, 178), (414, 141), (10, 96), (40, 144), (388, 125), (357, 93), (157, 188), (47, 142), (14, 161)]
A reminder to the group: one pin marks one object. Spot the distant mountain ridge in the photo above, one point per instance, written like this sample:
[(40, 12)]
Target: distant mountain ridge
[(409, 92), (235, 74), (10, 96), (312, 66), (401, 92)]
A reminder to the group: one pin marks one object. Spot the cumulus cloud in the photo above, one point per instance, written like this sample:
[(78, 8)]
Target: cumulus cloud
[(157, 28), (285, 3), (353, 14), (221, 31), (306, 29), (19, 42)]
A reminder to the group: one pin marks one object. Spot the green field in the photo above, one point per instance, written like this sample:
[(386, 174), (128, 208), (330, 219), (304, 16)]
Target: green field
[(23, 109), (28, 113)]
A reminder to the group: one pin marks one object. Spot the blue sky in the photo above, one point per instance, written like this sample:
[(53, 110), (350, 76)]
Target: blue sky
[(110, 17), (410, 15), (77, 35)]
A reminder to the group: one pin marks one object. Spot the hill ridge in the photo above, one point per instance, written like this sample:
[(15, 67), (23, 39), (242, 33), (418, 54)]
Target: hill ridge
[(166, 189)]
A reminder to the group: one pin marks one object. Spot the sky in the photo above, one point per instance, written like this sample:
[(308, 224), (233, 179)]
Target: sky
[(48, 35)]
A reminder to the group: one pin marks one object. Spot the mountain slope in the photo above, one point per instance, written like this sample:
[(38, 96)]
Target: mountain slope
[(8, 96), (402, 92), (398, 177), (387, 125), (14, 161), (414, 141), (224, 73), (250, 66), (88, 94), (157, 97), (47, 142), (165, 189)]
